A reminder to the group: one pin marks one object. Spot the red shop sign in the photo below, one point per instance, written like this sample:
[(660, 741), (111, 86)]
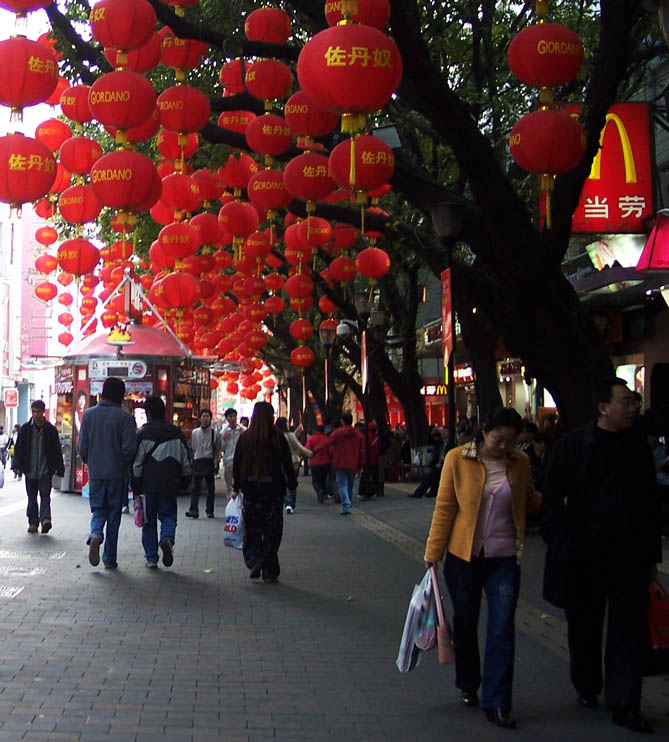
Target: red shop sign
[(11, 397)]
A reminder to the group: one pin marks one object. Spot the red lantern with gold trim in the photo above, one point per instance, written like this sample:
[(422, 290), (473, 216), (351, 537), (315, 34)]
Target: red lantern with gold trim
[(306, 118), (28, 72), (274, 304), (123, 179), (372, 262), (52, 133), (238, 218), (362, 163), (301, 329), (65, 338), (269, 134), (122, 24), (79, 154), (27, 169), (342, 269), (368, 12), (46, 264), (178, 240), (179, 290), (45, 291), (236, 120), (78, 256), (267, 190), (302, 357), (208, 183), (46, 235), (79, 204), (180, 54), (231, 77), (268, 79), (74, 104), (208, 228), (271, 25), (307, 177), (65, 319), (142, 59), (122, 99), (183, 108), (299, 286)]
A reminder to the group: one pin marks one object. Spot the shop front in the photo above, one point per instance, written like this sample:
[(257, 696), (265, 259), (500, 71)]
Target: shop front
[(152, 362)]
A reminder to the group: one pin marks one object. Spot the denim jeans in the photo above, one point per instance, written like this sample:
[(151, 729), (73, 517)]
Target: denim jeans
[(161, 508), (499, 577), (43, 487), (106, 501), (345, 479)]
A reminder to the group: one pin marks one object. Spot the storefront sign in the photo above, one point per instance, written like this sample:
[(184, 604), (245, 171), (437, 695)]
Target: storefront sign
[(139, 388), (124, 369), (464, 374), (11, 397), (434, 390), (618, 195)]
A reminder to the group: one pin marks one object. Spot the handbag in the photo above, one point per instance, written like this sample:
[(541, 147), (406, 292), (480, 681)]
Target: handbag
[(445, 646)]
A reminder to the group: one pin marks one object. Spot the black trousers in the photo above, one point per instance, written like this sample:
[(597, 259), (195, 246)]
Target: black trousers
[(197, 486), (608, 582), (42, 486), (263, 521)]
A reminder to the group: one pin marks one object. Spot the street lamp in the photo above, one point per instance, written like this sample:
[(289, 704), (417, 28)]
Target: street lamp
[(327, 331), (364, 310), (447, 221)]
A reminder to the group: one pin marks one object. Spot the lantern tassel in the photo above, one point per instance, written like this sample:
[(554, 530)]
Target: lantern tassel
[(351, 164), (546, 184)]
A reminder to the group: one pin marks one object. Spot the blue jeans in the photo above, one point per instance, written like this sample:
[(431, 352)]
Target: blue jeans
[(158, 507), (106, 500), (499, 577), (345, 479)]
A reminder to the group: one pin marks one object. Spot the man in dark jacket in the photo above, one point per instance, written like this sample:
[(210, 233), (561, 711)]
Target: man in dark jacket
[(600, 520), (107, 444), (38, 455), (161, 463)]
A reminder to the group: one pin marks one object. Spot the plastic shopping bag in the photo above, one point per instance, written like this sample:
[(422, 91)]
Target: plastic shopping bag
[(419, 628), (233, 531), (140, 510)]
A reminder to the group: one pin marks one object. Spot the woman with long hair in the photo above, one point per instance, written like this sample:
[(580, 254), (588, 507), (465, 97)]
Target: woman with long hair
[(262, 471), (479, 520)]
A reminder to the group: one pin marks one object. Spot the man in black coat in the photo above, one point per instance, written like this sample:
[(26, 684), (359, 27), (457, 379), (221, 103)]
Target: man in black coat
[(38, 455), (600, 521)]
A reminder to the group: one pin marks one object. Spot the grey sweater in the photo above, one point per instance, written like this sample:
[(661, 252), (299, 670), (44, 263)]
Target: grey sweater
[(107, 442)]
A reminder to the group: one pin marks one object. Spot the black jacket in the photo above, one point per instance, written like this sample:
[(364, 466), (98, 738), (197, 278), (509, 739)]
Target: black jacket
[(275, 467), (565, 500), (52, 448), (161, 460)]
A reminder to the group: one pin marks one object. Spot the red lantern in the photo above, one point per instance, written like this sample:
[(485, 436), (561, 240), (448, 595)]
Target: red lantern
[(27, 169), (180, 54), (257, 246), (178, 190), (28, 72), (79, 204), (257, 339), (79, 154), (306, 118), (66, 300), (46, 235), (274, 304), (173, 145), (327, 307), (301, 329), (231, 77), (65, 338), (208, 184), (46, 264), (65, 279), (183, 108), (123, 179), (299, 286), (52, 133), (74, 104), (122, 24), (109, 318), (238, 218), (268, 79), (368, 12), (178, 240), (274, 282), (266, 190), (179, 290), (270, 25), (236, 120), (65, 319), (45, 291), (142, 59), (78, 256), (141, 133), (207, 227), (314, 231), (302, 357), (373, 166), (307, 177), (547, 141), (336, 69), (344, 236), (61, 181), (23, 7), (372, 262), (545, 55), (237, 171), (122, 99), (342, 269), (269, 135)]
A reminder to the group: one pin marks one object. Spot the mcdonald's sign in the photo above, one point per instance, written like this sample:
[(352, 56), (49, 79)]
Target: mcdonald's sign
[(619, 193)]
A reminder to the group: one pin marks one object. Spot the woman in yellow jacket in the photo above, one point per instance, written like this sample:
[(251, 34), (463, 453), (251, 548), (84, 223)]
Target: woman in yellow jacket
[(479, 515)]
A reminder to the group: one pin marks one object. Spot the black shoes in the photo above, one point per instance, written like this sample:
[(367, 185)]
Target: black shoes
[(632, 720), (192, 514), (255, 571), (501, 718), (168, 554), (469, 698), (210, 515), (46, 526), (413, 494), (587, 701), (94, 551)]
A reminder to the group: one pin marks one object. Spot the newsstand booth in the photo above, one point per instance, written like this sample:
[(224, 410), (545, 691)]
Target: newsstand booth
[(151, 362)]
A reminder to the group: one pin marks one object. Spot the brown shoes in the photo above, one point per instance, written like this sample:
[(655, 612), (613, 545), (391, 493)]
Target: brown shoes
[(32, 528)]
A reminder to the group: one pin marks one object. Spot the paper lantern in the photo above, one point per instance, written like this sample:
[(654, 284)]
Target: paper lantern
[(65, 338), (301, 329), (122, 99), (299, 286), (123, 179), (368, 12), (351, 70), (208, 183), (28, 72), (65, 299), (306, 118), (78, 256), (45, 291), (74, 104), (208, 228), (237, 171), (236, 120), (274, 304), (173, 145), (274, 282), (52, 133), (361, 163), (180, 54), (307, 177), (314, 231), (545, 55), (79, 154), (269, 135), (342, 269), (46, 264), (178, 240), (27, 169), (238, 218), (183, 108), (327, 306), (372, 262), (61, 181), (266, 190), (142, 59), (302, 357), (46, 235), (79, 204), (231, 77), (22, 7), (122, 24), (179, 290), (268, 79), (65, 319), (271, 25)]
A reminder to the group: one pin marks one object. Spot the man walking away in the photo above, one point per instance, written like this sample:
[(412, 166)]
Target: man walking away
[(600, 518), (206, 445), (107, 444), (347, 446), (161, 462), (38, 455), (229, 437)]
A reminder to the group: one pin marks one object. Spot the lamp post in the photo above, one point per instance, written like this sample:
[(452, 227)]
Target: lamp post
[(327, 331), (364, 310), (447, 222)]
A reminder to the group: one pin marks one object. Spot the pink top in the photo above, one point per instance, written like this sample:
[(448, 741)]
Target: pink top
[(495, 531)]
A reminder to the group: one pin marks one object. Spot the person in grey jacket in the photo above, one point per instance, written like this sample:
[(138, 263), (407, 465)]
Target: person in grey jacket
[(107, 445)]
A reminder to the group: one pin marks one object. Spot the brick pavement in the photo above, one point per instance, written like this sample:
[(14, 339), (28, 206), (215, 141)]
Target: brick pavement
[(200, 652)]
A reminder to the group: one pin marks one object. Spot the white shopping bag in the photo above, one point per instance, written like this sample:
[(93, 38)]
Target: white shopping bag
[(233, 531)]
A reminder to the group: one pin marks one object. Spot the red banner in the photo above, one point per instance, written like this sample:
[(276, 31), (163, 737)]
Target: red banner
[(446, 314)]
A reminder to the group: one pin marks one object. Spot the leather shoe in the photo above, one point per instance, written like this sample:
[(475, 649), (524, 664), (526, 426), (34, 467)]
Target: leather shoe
[(192, 514), (632, 720), (469, 698), (255, 571), (501, 718), (587, 701), (414, 495)]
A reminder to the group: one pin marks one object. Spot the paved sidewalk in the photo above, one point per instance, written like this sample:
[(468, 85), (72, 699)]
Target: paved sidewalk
[(199, 652)]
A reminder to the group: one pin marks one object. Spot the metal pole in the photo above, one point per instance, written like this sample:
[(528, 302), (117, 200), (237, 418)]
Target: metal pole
[(451, 357)]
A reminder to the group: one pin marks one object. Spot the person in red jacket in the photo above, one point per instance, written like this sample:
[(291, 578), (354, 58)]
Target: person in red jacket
[(320, 462), (347, 446)]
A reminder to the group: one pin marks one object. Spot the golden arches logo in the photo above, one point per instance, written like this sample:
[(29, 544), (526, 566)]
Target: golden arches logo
[(628, 155)]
